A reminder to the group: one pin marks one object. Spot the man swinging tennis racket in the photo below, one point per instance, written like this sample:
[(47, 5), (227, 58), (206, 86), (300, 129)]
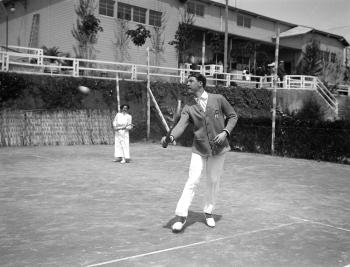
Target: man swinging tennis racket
[(213, 119)]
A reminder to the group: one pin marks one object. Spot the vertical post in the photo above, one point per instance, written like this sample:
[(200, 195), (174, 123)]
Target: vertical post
[(40, 57), (7, 62), (148, 97), (302, 82), (7, 32), (254, 63), (230, 61), (182, 75), (117, 89), (274, 100), (261, 81), (203, 50), (133, 73), (228, 79), (226, 36), (75, 67), (2, 61)]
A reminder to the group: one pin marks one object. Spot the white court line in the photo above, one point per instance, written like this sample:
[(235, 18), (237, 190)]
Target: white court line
[(36, 156), (310, 221), (191, 245)]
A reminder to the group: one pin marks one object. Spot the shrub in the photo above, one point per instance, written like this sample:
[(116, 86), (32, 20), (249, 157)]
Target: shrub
[(310, 111), (303, 135), (320, 140)]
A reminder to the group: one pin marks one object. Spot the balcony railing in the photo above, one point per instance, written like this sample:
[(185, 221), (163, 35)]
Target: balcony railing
[(32, 60)]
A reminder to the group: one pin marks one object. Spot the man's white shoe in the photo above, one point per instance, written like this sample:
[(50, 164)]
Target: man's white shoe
[(179, 224), (122, 161), (209, 220)]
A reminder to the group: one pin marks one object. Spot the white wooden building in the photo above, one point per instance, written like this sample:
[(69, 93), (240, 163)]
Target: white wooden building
[(37, 23)]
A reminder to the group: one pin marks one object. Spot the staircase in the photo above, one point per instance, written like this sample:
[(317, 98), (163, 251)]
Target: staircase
[(327, 96), (34, 32)]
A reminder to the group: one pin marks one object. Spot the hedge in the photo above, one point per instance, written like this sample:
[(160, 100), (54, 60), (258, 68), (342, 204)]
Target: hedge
[(295, 136)]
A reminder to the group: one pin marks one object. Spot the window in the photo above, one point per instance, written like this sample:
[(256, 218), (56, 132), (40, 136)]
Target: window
[(106, 8), (244, 21), (247, 22), (195, 8), (191, 8), (155, 18), (240, 20), (333, 57), (325, 56), (139, 14), (124, 11)]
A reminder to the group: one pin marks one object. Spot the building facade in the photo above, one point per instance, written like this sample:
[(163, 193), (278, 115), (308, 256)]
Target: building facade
[(251, 37)]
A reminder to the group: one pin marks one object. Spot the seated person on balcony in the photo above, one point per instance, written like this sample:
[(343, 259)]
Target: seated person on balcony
[(194, 65), (271, 72), (246, 75), (280, 73), (260, 73), (220, 67)]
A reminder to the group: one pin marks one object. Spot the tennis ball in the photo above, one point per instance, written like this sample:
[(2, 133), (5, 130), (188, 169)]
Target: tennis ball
[(84, 89)]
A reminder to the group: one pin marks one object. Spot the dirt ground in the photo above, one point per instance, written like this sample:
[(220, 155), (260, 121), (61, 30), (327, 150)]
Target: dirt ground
[(73, 206)]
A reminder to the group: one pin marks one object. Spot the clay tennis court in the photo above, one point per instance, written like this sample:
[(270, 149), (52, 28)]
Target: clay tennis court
[(72, 206)]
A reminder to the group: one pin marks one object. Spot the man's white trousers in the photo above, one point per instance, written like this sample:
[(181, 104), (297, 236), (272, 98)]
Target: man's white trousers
[(213, 168)]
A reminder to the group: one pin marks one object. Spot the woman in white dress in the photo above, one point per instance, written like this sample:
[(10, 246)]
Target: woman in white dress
[(122, 124)]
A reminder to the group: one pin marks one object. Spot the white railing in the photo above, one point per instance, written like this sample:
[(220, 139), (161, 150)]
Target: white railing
[(32, 60), (35, 53), (327, 95), (22, 49), (208, 70), (343, 89), (37, 63), (64, 66), (299, 82)]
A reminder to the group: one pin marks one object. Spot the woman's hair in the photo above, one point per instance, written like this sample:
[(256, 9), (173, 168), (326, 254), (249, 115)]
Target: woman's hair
[(124, 105)]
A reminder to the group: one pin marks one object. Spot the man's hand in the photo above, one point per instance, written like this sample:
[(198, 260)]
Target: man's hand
[(220, 138), (166, 140)]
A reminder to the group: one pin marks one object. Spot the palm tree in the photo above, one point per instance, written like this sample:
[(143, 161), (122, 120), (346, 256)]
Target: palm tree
[(52, 52)]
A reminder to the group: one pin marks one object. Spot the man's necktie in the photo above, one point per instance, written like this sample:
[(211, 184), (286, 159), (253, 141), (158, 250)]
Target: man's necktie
[(202, 102)]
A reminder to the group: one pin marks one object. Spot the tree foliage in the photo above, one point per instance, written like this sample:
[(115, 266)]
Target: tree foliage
[(311, 62), (347, 74), (157, 40), (51, 51), (87, 29), (121, 39), (183, 35), (216, 44), (332, 72), (139, 35)]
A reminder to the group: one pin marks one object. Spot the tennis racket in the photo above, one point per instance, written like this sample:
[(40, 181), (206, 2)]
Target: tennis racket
[(176, 119)]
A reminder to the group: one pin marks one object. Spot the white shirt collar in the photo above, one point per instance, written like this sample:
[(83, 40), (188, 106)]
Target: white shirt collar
[(204, 96)]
